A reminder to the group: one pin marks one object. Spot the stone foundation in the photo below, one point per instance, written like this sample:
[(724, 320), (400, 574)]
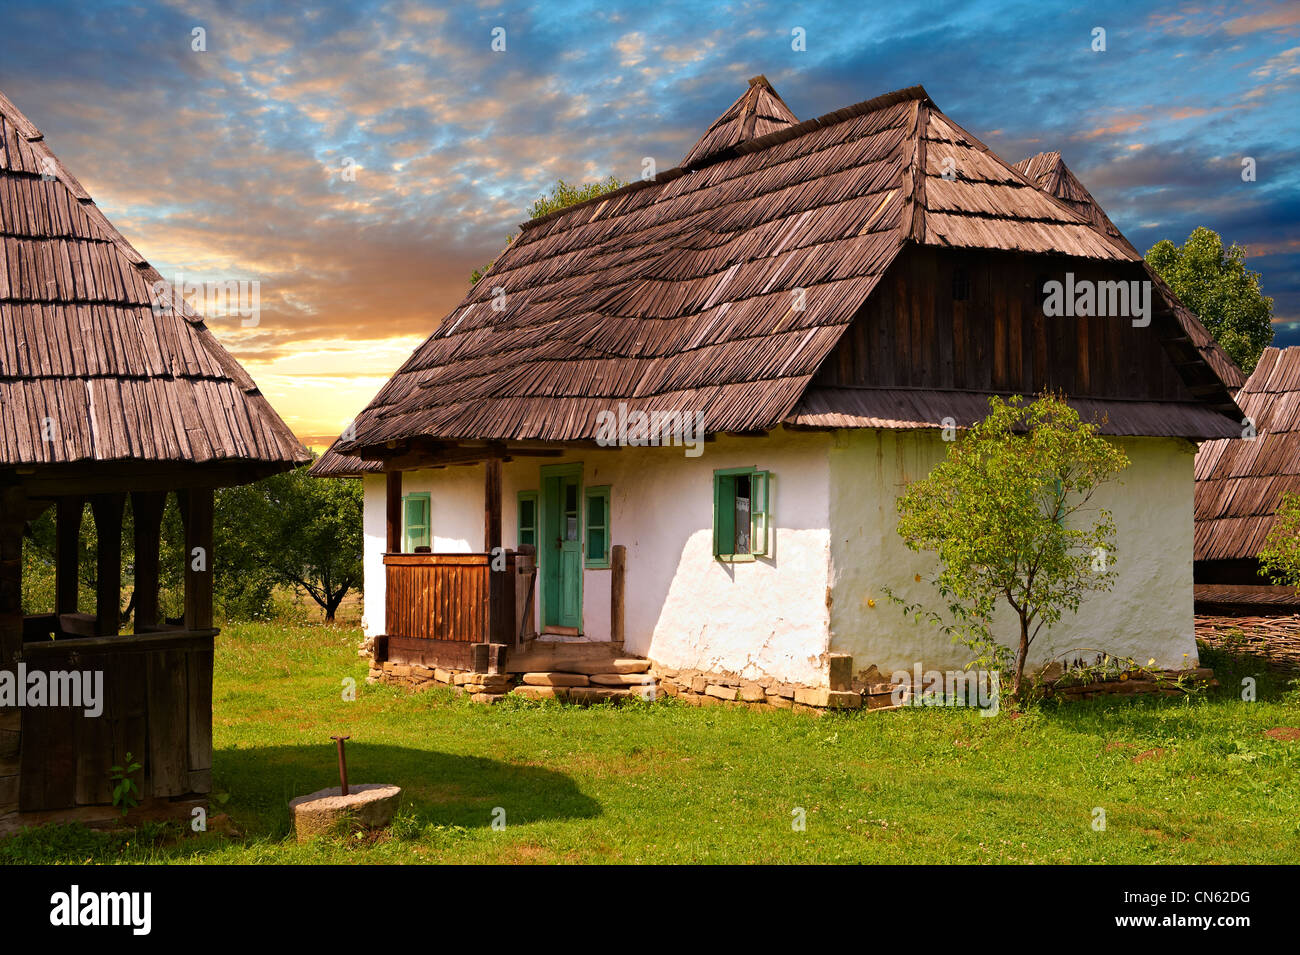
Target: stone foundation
[(698, 688)]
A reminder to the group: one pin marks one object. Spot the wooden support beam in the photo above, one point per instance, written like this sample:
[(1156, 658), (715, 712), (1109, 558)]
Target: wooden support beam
[(617, 592), (67, 537), (197, 508), (146, 514), (107, 509), (11, 580), (491, 505), (393, 501)]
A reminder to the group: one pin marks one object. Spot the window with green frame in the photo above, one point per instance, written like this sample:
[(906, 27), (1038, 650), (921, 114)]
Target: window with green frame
[(742, 515), (415, 522), (596, 549), (526, 519)]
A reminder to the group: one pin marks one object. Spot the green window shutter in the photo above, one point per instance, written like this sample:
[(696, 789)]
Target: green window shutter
[(597, 539), (415, 521), (724, 515), (760, 511), (526, 523)]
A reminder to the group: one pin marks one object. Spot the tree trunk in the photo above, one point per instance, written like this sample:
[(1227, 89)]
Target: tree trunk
[(1021, 655)]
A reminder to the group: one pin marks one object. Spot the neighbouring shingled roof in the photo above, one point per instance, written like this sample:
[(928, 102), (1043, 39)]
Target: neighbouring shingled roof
[(81, 343), (1054, 177), (757, 112), (1239, 483)]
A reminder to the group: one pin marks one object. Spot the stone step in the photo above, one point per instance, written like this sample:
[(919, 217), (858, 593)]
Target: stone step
[(574, 658), (622, 679), (555, 679)]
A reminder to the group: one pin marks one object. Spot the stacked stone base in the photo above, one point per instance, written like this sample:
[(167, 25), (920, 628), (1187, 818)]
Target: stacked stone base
[(629, 679), (699, 688)]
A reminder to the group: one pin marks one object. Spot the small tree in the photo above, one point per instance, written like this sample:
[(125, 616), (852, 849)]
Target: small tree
[(1003, 513), (1280, 558), (298, 530), (1215, 284)]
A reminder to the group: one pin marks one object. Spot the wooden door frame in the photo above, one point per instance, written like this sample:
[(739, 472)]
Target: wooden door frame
[(544, 531)]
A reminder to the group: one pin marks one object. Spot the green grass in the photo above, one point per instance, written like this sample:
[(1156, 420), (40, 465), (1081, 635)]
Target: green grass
[(1179, 780)]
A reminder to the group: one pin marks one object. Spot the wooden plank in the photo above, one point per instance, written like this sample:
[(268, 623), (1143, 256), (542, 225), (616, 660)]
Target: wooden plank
[(491, 504), (168, 710), (49, 763), (199, 722), (618, 571), (198, 558), (393, 505)]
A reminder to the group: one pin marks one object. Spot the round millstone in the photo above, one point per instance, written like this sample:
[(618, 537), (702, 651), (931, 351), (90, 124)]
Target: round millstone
[(367, 806)]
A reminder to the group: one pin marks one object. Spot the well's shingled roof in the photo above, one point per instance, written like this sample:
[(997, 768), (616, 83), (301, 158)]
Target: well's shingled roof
[(676, 293), (1240, 482), (81, 344)]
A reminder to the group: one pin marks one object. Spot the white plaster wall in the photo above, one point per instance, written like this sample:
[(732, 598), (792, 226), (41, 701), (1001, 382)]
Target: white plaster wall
[(1147, 614), (374, 526), (683, 608)]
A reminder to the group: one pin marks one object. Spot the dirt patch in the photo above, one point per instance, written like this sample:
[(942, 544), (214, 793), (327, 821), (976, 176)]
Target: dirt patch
[(1143, 756), (1284, 734)]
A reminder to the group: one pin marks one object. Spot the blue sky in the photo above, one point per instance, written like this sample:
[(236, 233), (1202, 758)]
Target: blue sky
[(229, 162)]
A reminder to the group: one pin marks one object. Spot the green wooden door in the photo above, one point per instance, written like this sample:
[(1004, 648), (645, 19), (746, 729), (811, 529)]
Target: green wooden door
[(560, 547)]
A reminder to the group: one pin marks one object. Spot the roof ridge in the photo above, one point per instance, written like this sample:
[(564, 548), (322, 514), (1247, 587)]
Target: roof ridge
[(756, 144)]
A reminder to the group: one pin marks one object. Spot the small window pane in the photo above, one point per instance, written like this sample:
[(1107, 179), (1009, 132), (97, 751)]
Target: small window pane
[(742, 514)]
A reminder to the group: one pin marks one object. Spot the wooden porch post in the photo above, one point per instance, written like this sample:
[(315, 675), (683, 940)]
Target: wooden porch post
[(394, 505), (146, 513), (197, 507), (11, 640), (67, 534), (492, 505), (11, 576), (107, 509), (617, 598)]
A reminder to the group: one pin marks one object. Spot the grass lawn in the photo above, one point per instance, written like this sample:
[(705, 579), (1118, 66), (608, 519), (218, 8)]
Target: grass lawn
[(1179, 780)]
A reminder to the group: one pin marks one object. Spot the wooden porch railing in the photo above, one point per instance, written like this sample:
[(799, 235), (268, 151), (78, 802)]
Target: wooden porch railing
[(456, 597)]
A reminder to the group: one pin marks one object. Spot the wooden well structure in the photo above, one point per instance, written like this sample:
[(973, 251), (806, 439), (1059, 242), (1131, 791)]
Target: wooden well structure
[(111, 391)]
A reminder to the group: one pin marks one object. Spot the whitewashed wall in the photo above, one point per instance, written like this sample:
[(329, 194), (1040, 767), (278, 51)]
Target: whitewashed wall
[(1147, 614), (683, 608), (834, 541)]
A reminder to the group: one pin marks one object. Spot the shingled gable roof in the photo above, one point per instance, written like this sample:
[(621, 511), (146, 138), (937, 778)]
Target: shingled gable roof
[(80, 342), (1240, 483), (757, 112), (1053, 176), (676, 293)]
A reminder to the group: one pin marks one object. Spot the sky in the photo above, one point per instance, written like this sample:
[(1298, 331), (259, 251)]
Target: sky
[(358, 160)]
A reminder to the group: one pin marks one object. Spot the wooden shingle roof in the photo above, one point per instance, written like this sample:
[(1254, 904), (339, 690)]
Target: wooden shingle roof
[(684, 292), (1240, 482), (90, 370), (757, 112), (1053, 176)]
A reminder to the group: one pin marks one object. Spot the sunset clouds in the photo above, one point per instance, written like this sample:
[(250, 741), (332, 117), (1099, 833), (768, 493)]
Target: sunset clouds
[(238, 162)]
